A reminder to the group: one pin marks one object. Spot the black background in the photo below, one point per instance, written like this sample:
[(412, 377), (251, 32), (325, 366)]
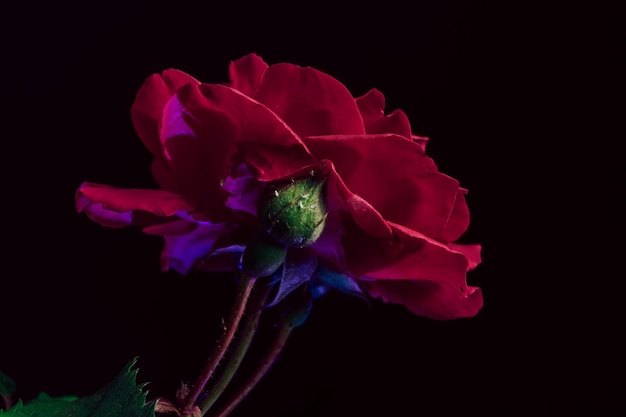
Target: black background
[(522, 104)]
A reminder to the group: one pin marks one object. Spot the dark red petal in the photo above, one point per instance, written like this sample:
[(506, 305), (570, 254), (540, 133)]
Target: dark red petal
[(309, 101), (394, 176), (458, 221), (424, 258), (363, 213), (429, 299), (372, 108), (111, 199), (245, 73), (197, 145), (101, 215), (471, 253), (186, 243), (274, 162), (428, 277), (204, 125), (147, 111)]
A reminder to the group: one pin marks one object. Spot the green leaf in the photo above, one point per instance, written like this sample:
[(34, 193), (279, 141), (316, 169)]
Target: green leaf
[(122, 397), (44, 396), (7, 385)]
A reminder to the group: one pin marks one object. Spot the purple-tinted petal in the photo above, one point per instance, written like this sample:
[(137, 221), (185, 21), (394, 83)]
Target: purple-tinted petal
[(150, 101), (329, 246), (115, 207), (187, 244), (297, 269), (146, 113), (101, 215), (244, 190)]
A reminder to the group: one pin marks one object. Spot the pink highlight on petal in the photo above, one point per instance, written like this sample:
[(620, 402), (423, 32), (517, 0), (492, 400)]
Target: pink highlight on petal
[(420, 141), (246, 72)]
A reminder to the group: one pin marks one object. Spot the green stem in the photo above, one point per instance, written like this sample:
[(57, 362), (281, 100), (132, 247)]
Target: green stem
[(248, 329), (243, 293), (7, 401), (270, 357)]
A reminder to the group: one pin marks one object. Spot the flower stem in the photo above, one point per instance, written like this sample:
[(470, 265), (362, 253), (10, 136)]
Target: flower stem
[(243, 293), (270, 357), (248, 329), (7, 401)]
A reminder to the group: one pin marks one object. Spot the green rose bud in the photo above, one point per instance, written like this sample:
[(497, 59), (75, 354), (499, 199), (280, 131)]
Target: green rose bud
[(294, 212)]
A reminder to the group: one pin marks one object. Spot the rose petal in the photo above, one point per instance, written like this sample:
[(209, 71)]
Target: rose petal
[(394, 176), (150, 101), (429, 299), (197, 156), (309, 101), (422, 257), (341, 198), (372, 108), (458, 221), (187, 243), (115, 207), (99, 214), (244, 190), (274, 162), (146, 113), (428, 277), (203, 126), (246, 72), (471, 253), (420, 141)]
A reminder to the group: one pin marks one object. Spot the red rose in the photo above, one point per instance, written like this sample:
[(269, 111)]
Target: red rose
[(392, 217)]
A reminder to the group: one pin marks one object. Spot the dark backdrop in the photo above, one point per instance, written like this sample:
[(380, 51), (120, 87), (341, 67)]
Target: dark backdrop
[(521, 103)]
